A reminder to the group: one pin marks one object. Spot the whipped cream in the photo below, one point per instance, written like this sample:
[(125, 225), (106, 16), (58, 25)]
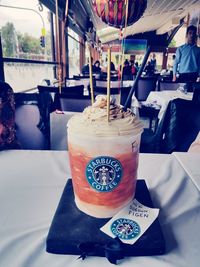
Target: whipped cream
[(93, 120)]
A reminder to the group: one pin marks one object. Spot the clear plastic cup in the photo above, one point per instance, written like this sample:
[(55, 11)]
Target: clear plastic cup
[(104, 172)]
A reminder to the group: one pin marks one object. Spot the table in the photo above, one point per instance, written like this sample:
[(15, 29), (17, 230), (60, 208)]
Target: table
[(58, 129), (190, 163), (162, 98), (32, 183)]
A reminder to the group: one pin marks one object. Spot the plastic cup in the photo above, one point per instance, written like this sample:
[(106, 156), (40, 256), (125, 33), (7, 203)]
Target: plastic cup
[(104, 172)]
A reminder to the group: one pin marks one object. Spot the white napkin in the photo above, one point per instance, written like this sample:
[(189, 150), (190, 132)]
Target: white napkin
[(131, 222)]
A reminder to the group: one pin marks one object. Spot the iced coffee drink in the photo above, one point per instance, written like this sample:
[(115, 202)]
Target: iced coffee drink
[(103, 158)]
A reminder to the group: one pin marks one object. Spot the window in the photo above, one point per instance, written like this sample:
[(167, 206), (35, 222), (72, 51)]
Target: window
[(22, 25), (74, 53), (25, 76), (25, 28)]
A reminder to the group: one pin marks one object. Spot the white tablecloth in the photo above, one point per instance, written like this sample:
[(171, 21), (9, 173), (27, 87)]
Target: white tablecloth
[(162, 99), (58, 129), (190, 162), (31, 186)]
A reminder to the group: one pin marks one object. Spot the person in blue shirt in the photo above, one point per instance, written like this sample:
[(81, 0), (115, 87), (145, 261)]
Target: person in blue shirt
[(187, 61)]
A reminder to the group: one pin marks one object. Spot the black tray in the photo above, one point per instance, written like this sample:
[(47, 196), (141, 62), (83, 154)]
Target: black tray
[(71, 227)]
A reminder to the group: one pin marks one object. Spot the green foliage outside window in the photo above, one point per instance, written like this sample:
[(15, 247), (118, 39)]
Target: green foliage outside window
[(173, 43), (22, 45)]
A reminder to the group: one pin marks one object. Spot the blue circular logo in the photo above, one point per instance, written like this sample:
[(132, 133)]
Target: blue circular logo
[(104, 173), (125, 228)]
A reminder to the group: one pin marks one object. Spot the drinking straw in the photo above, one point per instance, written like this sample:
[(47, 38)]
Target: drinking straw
[(91, 78), (59, 71), (108, 84), (123, 41), (137, 78)]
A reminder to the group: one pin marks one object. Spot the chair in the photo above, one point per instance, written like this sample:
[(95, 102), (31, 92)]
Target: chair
[(103, 90), (49, 89), (30, 125), (177, 129), (113, 77), (124, 92), (144, 87), (119, 93), (196, 94), (151, 113), (103, 83), (167, 77), (71, 90), (46, 94), (127, 77), (168, 85), (76, 104), (80, 77)]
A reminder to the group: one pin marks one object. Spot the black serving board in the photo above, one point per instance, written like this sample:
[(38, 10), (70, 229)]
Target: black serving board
[(71, 227)]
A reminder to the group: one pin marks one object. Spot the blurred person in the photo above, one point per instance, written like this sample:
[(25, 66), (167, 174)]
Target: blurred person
[(127, 74), (137, 66), (112, 66), (132, 64), (8, 138), (149, 69), (153, 62), (85, 69), (97, 67), (187, 61)]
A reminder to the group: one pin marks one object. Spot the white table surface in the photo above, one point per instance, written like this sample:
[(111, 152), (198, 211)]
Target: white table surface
[(31, 186), (58, 129), (190, 162), (162, 98)]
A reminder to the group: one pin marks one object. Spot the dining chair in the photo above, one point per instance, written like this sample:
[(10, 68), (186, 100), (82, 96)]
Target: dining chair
[(103, 83), (168, 86), (196, 92), (30, 122), (124, 92), (113, 77), (151, 114), (103, 90), (48, 94), (144, 87), (69, 103), (76, 90), (177, 129), (82, 77)]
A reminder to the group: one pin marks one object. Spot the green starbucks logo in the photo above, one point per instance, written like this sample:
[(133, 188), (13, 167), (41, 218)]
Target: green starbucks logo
[(104, 173), (125, 228)]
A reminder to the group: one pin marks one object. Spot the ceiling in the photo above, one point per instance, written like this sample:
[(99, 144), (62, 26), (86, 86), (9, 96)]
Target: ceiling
[(160, 16)]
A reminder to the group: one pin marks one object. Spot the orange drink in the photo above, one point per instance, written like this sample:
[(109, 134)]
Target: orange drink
[(103, 159)]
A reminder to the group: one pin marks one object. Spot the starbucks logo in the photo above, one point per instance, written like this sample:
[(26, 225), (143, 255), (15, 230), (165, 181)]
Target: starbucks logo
[(104, 173), (125, 228)]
